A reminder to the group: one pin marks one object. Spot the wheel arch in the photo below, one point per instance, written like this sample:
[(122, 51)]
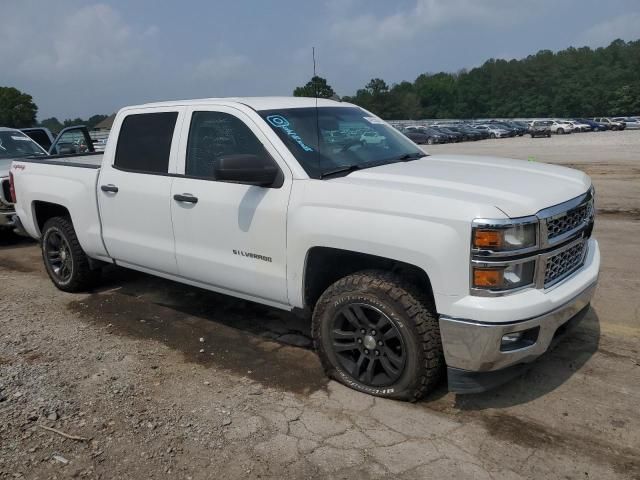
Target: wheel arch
[(43, 211), (325, 265)]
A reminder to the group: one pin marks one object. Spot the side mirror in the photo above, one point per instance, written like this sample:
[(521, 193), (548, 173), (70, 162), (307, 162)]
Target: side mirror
[(247, 169)]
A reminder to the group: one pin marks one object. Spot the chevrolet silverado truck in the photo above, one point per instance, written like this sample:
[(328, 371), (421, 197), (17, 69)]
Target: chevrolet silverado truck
[(411, 266)]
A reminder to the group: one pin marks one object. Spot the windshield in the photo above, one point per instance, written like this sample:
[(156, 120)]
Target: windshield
[(14, 144), (330, 138)]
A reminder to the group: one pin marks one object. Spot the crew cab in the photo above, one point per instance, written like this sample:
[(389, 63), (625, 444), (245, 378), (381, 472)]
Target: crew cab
[(409, 265)]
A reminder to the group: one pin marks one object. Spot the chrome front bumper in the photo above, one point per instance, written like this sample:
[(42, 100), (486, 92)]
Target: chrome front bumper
[(476, 346)]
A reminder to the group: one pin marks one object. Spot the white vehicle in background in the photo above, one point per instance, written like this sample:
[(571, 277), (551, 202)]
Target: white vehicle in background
[(18, 144), (409, 265), (579, 126), (631, 123), (560, 126), (494, 131), (14, 144), (372, 138)]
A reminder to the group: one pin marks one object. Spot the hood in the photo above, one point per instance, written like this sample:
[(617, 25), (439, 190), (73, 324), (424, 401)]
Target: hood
[(516, 187)]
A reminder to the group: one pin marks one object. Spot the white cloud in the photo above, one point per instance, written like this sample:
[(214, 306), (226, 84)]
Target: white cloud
[(370, 32), (626, 27), (83, 59), (87, 41), (222, 66)]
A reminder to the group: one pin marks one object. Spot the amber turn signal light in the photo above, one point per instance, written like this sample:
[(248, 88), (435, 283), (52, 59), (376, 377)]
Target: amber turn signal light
[(487, 238), (488, 277)]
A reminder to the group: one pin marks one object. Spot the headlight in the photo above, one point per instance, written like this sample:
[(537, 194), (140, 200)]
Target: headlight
[(504, 239), (503, 277)]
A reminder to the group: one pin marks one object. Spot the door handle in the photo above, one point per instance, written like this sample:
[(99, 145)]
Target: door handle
[(109, 188), (185, 197)]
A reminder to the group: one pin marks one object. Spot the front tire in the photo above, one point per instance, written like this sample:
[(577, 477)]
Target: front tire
[(65, 261), (375, 334)]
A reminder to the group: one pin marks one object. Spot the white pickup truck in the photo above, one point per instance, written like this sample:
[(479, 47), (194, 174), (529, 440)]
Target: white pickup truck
[(412, 266)]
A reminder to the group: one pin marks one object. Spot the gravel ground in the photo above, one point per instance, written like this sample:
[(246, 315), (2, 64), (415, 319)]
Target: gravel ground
[(160, 380)]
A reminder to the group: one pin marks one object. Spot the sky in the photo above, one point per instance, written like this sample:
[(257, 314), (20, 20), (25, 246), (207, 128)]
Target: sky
[(79, 58)]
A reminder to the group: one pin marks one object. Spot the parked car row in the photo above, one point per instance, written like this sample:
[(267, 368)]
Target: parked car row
[(460, 131), (445, 132)]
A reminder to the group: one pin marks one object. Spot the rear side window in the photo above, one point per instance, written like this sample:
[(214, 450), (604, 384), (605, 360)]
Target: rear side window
[(144, 142)]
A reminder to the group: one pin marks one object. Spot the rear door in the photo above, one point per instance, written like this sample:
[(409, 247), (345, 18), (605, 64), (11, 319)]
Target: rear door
[(134, 189), (229, 235)]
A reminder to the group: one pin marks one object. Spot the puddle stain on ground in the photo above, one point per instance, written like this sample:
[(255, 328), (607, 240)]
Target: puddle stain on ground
[(266, 361)]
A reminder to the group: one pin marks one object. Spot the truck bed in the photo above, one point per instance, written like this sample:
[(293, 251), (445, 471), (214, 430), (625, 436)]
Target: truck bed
[(41, 181)]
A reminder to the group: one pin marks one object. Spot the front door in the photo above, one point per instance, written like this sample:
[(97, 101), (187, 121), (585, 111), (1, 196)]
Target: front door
[(228, 235)]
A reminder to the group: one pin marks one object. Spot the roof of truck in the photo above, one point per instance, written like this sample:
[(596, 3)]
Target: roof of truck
[(257, 103)]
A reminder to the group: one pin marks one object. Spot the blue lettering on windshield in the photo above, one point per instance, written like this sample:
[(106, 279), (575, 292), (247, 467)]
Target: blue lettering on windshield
[(278, 121)]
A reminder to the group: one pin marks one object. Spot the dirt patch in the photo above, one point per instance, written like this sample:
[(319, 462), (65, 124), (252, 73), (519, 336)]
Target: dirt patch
[(533, 435), (15, 266), (629, 214), (207, 342)]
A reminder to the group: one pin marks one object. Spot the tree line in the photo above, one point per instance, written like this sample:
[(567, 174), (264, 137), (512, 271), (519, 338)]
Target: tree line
[(570, 83), (18, 110)]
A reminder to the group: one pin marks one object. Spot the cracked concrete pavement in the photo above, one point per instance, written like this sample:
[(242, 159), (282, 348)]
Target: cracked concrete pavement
[(167, 381)]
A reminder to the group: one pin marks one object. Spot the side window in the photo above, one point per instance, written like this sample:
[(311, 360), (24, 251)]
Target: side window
[(144, 142), (214, 135)]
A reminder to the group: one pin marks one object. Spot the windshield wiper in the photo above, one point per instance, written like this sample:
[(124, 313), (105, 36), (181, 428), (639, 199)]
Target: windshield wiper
[(346, 169), (409, 156)]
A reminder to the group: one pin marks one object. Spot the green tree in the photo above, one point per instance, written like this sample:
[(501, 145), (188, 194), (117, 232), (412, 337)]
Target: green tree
[(17, 109), (316, 87), (569, 83), (52, 124)]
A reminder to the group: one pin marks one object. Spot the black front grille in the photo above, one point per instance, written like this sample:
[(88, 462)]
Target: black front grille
[(564, 263), (569, 220)]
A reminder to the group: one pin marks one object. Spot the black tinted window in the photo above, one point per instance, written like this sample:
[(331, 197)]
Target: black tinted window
[(214, 135), (144, 142), (40, 137)]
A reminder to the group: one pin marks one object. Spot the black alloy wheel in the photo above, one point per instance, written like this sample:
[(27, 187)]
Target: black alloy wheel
[(57, 253), (368, 345)]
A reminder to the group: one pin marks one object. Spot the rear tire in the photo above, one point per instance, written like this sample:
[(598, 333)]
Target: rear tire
[(398, 356), (429, 141), (65, 261), (560, 131)]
